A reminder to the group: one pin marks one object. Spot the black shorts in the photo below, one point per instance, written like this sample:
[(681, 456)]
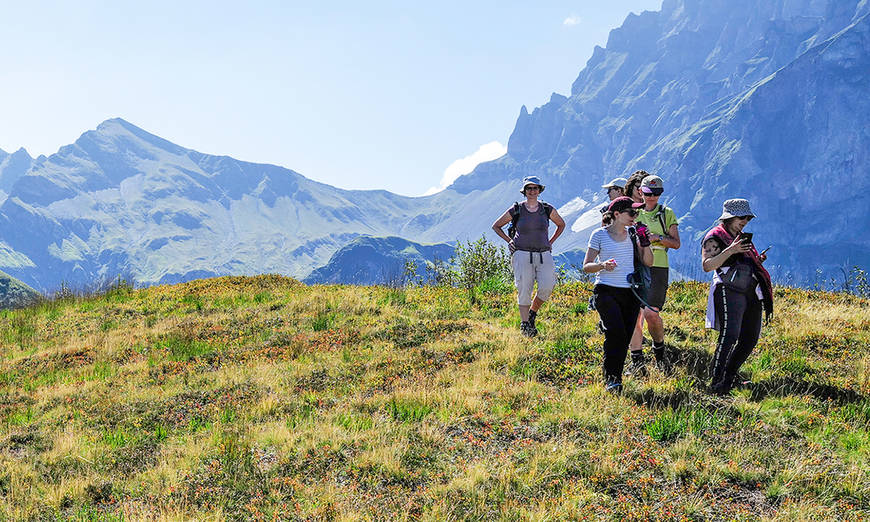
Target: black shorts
[(658, 289)]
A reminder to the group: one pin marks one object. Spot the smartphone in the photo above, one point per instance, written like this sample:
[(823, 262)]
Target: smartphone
[(765, 250), (746, 237)]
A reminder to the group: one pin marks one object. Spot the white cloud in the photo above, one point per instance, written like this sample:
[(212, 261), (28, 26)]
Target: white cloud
[(486, 152), (571, 20)]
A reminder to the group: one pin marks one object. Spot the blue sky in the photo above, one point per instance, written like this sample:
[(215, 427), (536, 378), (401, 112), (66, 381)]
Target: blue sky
[(402, 96)]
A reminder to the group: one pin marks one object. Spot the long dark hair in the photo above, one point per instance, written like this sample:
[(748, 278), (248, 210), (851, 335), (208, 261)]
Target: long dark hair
[(634, 181)]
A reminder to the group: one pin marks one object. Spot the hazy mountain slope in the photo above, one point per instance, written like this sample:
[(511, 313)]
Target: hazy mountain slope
[(15, 294), (370, 260), (121, 200)]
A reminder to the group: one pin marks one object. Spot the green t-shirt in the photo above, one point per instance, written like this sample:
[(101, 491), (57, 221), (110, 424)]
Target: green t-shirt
[(650, 219)]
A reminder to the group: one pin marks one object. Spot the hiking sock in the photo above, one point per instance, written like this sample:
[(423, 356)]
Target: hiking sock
[(659, 351)]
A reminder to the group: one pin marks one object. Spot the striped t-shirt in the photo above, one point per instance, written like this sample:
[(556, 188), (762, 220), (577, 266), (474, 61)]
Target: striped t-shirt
[(621, 251)]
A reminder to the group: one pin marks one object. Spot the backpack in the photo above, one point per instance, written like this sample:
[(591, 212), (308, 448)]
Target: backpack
[(515, 216), (740, 277), (641, 279)]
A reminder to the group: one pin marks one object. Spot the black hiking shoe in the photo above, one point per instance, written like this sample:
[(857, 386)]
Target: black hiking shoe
[(637, 367), (663, 360), (527, 329), (532, 316), (612, 386), (722, 387)]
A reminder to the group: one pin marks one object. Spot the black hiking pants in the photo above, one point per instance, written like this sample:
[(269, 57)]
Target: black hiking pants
[(739, 317), (618, 309)]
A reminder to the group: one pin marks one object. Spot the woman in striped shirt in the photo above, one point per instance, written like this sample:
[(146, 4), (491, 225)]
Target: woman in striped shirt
[(610, 255)]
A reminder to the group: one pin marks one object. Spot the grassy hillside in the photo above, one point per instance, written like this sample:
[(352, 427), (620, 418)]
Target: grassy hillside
[(262, 399)]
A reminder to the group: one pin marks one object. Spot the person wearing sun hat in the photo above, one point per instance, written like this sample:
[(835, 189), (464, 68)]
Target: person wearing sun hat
[(614, 190), (610, 255), (531, 250), (740, 290), (664, 234)]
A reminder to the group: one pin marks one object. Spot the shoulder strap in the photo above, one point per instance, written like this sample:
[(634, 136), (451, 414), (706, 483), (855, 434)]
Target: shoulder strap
[(548, 208), (661, 217), (515, 212)]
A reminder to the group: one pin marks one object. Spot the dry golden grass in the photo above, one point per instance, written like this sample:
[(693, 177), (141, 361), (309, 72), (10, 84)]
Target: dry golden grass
[(260, 398)]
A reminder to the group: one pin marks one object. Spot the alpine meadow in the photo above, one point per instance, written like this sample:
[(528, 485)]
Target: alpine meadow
[(259, 398)]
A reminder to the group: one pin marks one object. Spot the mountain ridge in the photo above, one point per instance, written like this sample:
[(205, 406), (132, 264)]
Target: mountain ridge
[(693, 92)]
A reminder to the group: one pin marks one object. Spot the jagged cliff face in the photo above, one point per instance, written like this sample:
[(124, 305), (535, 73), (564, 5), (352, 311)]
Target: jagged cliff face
[(764, 99), (12, 167)]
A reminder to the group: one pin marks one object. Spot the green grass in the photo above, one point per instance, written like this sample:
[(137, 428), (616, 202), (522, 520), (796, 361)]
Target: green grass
[(260, 398)]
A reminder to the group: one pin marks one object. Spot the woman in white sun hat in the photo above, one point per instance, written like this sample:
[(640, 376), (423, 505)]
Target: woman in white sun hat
[(740, 290), (531, 250)]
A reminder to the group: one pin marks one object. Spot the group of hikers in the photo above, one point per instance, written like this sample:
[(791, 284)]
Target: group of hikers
[(629, 256)]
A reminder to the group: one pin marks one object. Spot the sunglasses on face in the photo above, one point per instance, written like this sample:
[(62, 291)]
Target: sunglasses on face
[(652, 195), (631, 212), (533, 187)]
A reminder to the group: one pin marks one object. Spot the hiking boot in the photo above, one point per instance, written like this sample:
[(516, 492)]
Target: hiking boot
[(612, 384), (637, 367), (527, 330), (663, 360), (720, 389), (532, 316)]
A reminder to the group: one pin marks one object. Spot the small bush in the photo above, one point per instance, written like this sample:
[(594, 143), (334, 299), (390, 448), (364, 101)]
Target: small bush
[(494, 285), (404, 410), (673, 424), (323, 321)]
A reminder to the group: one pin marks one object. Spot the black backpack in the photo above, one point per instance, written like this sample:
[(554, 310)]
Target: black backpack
[(640, 279), (515, 216)]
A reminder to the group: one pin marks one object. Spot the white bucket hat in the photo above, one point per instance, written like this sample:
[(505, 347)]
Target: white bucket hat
[(737, 207), (531, 180)]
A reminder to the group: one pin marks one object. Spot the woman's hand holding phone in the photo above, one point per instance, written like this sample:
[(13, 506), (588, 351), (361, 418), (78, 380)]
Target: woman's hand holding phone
[(738, 246)]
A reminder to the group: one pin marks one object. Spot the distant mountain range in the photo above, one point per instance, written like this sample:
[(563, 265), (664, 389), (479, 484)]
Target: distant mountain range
[(764, 99), (369, 260)]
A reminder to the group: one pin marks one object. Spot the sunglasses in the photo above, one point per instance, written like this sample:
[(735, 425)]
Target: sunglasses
[(651, 195), (630, 211), (533, 187)]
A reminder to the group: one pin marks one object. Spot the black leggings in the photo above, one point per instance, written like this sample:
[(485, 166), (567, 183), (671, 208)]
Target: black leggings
[(739, 317), (618, 309)]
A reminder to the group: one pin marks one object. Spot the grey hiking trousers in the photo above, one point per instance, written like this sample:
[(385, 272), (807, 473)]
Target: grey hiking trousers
[(531, 267)]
